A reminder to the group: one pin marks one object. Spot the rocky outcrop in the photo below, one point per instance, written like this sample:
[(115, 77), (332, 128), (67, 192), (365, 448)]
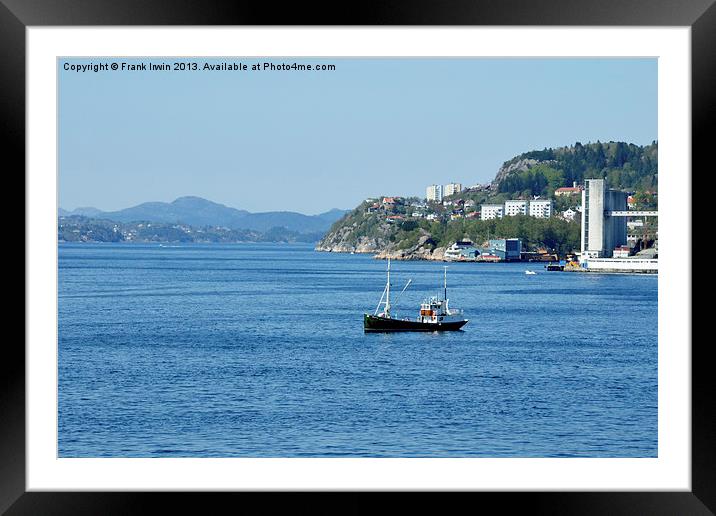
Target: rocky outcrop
[(511, 167), (348, 235), (425, 249), (342, 241), (338, 244), (437, 254)]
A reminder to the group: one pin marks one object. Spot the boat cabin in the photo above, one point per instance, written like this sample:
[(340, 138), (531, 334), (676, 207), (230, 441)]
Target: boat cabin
[(433, 310)]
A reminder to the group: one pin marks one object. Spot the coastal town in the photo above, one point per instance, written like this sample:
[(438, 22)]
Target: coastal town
[(614, 234), (584, 208)]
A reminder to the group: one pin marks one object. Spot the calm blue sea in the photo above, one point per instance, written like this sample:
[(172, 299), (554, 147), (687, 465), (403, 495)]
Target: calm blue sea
[(254, 350)]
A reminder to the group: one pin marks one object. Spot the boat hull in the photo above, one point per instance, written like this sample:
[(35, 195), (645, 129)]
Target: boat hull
[(374, 323)]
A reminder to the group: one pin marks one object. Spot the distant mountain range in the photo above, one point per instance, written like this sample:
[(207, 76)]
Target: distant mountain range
[(195, 211)]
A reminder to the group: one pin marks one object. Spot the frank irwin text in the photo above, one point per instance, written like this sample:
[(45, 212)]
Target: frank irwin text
[(194, 66)]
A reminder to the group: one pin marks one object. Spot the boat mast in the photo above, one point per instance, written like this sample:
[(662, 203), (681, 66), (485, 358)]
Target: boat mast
[(445, 284), (387, 290)]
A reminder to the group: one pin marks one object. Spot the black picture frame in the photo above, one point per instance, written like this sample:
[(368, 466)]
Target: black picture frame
[(16, 15)]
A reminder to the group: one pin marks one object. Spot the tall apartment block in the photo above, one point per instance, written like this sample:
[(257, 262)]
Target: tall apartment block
[(452, 188), (434, 193)]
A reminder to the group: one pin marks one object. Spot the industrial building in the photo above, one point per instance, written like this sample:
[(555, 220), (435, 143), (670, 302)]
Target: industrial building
[(604, 241), (508, 249), (602, 232)]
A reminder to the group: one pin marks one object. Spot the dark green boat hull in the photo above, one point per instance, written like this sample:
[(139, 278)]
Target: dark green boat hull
[(376, 323)]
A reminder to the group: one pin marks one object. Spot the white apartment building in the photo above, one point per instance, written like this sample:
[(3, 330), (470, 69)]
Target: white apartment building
[(491, 211), (542, 209), (515, 208), (452, 188), (434, 193)]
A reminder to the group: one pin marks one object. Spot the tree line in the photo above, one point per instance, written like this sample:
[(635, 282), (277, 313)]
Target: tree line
[(625, 166), (553, 234)]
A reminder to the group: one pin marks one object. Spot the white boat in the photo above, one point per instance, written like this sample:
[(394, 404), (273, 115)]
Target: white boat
[(461, 250), (530, 272)]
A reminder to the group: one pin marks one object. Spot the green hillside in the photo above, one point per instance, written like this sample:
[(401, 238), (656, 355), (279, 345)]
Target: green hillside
[(624, 166)]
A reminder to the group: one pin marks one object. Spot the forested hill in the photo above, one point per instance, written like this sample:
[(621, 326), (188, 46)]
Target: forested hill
[(625, 166), (413, 227)]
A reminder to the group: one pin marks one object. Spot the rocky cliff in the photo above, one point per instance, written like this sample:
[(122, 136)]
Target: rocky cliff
[(344, 239), (512, 167), (425, 249), (364, 232)]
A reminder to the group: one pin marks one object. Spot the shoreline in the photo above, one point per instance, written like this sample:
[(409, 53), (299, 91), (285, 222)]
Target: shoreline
[(615, 271), (439, 257), (435, 256)]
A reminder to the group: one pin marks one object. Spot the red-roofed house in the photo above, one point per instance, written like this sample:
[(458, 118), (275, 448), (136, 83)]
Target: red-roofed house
[(568, 190)]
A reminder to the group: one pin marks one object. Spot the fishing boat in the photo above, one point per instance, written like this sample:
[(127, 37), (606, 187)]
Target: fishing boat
[(435, 314)]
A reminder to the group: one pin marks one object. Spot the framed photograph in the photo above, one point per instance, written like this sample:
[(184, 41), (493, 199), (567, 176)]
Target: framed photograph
[(429, 251)]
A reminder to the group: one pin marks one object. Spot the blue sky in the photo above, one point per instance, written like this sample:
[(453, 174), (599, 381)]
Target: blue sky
[(309, 141)]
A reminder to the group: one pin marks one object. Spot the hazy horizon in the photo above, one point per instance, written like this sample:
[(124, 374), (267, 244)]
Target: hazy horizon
[(197, 196), (311, 141)]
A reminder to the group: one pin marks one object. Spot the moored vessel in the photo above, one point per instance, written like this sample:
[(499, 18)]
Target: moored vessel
[(435, 314)]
